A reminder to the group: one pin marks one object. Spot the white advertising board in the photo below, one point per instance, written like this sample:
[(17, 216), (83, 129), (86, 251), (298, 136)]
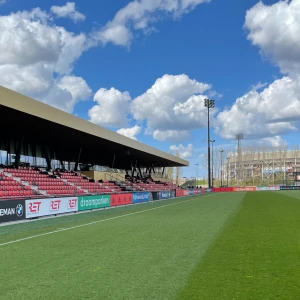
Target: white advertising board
[(268, 188), (50, 206)]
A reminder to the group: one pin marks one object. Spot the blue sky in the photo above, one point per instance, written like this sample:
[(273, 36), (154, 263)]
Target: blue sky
[(241, 49)]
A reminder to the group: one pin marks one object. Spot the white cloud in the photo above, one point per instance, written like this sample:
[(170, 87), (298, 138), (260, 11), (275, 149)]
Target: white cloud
[(112, 108), (258, 86), (275, 29), (274, 111), (130, 132), (172, 107), (270, 142), (68, 11), (139, 15), (183, 152), (171, 135), (37, 57)]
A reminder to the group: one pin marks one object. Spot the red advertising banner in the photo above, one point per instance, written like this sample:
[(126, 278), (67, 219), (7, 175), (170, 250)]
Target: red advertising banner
[(222, 190), (195, 192), (245, 189), (181, 193), (120, 199)]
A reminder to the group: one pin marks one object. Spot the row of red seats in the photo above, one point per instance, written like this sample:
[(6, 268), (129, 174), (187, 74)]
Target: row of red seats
[(16, 193)]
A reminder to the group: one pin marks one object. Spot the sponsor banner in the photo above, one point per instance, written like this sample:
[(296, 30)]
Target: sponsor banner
[(191, 192), (208, 190), (195, 192), (12, 210), (165, 195), (245, 189), (284, 188), (155, 196), (140, 197), (221, 190), (93, 202), (268, 188), (179, 193), (50, 206), (120, 199)]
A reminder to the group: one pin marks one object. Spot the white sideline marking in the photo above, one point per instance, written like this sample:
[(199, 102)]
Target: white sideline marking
[(95, 222)]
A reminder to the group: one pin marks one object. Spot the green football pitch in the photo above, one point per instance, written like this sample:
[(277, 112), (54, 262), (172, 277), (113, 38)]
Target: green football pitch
[(216, 246)]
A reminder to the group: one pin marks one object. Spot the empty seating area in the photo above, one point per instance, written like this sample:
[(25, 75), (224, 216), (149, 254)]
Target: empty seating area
[(10, 188), (151, 186), (87, 185), (33, 182), (42, 183)]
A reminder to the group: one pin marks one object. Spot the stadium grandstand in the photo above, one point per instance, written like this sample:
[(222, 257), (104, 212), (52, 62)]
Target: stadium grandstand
[(73, 149)]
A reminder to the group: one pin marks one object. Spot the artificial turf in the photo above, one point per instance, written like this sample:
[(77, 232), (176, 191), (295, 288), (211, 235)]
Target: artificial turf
[(217, 246)]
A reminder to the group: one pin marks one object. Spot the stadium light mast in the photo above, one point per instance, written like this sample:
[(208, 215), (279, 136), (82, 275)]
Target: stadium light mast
[(197, 174), (208, 103), (212, 163), (221, 151)]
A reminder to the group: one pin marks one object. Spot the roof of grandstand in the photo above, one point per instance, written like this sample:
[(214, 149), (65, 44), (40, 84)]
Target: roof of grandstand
[(68, 137)]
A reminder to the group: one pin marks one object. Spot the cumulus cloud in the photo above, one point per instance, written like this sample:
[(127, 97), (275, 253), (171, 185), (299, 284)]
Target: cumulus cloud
[(172, 107), (275, 29), (272, 112), (68, 11), (112, 108), (140, 15), (37, 58), (183, 152), (130, 132), (171, 135)]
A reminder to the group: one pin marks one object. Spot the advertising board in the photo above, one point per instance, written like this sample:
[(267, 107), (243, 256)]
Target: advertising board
[(191, 192), (165, 195), (120, 199), (155, 196), (285, 188), (140, 197), (245, 189), (93, 202), (50, 206), (179, 193), (12, 210), (222, 190), (267, 188)]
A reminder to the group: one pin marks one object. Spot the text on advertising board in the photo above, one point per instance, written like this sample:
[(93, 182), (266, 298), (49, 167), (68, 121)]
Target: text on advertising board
[(50, 206), (12, 210), (120, 199), (93, 202), (140, 197)]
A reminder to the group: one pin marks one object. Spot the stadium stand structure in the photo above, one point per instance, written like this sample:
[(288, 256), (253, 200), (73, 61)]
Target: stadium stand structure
[(37, 130)]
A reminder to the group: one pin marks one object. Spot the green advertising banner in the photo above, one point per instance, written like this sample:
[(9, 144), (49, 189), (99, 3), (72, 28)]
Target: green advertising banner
[(93, 202)]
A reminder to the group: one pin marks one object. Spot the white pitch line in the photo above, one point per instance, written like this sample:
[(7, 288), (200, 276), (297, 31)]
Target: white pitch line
[(95, 222)]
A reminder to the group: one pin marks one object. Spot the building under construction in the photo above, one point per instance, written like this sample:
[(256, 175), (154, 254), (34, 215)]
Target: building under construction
[(262, 167)]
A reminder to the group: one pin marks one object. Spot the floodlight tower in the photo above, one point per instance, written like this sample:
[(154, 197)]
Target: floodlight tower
[(208, 103), (239, 138)]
